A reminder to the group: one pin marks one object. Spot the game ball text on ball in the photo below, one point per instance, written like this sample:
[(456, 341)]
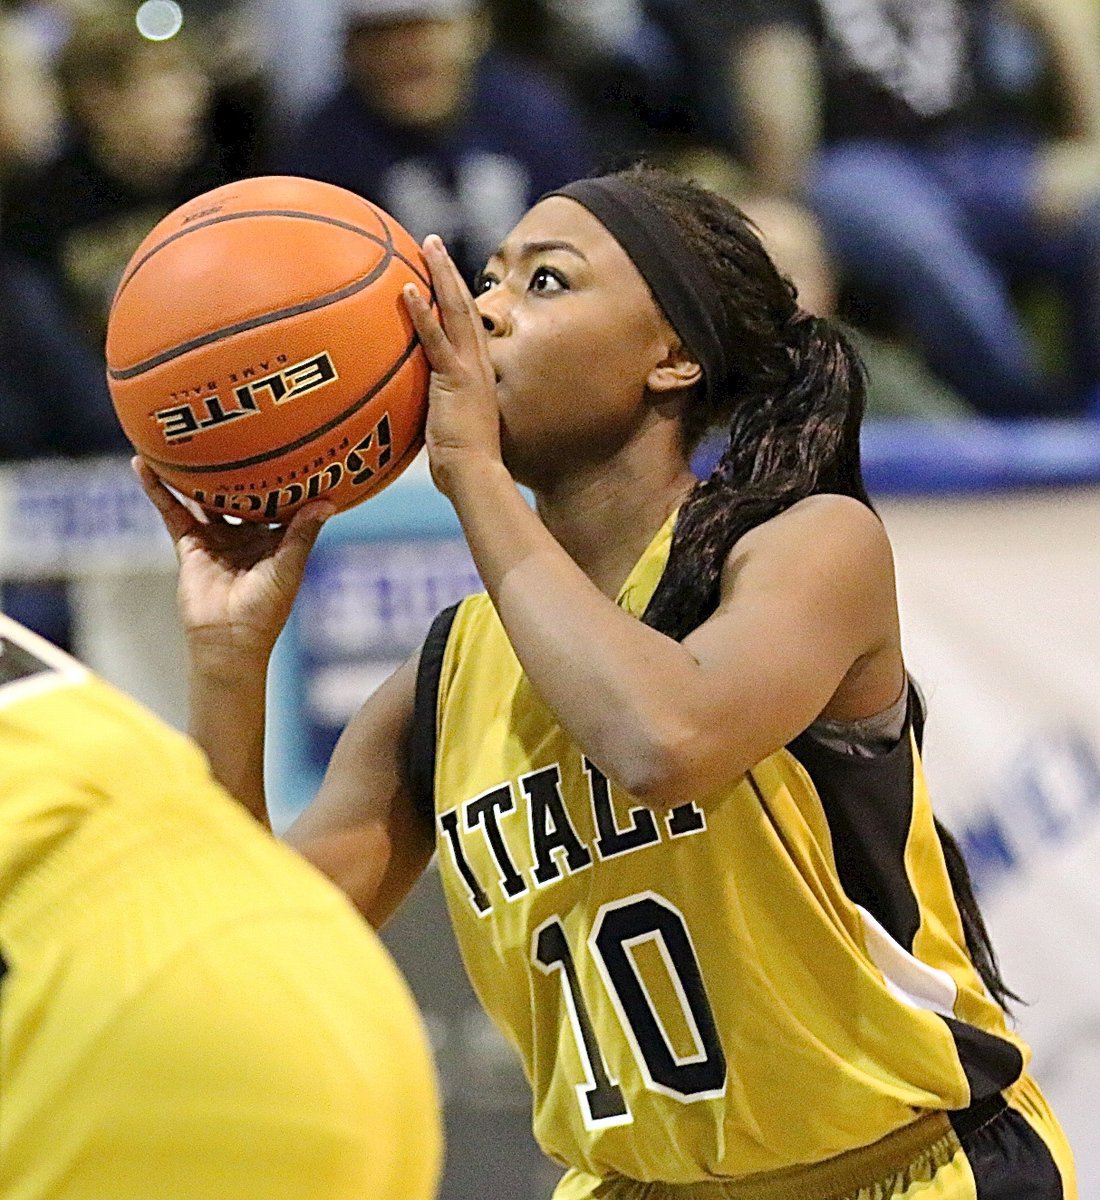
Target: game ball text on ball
[(259, 354)]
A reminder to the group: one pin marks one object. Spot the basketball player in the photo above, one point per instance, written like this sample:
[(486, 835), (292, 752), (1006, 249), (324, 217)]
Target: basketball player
[(670, 758), (187, 1010)]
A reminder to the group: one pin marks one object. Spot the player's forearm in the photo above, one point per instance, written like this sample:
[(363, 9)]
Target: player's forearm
[(376, 864), (621, 689), (228, 710)]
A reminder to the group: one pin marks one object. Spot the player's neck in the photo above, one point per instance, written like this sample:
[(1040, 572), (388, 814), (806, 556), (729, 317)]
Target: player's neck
[(605, 517)]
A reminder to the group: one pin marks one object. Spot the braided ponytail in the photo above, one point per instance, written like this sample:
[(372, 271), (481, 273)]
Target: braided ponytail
[(793, 401)]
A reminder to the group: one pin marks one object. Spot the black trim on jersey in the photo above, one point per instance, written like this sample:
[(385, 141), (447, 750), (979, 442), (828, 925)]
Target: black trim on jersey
[(989, 1062), (422, 735), (917, 715), (18, 663), (868, 803), (967, 1121), (1007, 1157)]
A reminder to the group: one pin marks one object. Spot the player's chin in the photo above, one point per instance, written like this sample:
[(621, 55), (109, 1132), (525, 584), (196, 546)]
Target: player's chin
[(512, 460), (516, 458), (531, 466)]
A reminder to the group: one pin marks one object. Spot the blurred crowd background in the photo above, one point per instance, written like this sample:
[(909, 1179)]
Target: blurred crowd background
[(927, 171)]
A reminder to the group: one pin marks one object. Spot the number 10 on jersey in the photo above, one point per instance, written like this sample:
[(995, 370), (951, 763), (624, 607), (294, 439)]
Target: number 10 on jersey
[(619, 927)]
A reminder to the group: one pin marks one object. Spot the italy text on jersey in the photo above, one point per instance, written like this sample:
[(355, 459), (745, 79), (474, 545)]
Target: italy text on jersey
[(552, 832)]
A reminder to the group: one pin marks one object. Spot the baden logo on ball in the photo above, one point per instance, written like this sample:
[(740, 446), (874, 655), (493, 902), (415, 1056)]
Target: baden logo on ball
[(259, 354)]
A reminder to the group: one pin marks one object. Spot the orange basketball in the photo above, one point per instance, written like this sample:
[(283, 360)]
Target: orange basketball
[(259, 353)]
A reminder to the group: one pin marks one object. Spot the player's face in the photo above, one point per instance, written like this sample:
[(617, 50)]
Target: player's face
[(573, 336)]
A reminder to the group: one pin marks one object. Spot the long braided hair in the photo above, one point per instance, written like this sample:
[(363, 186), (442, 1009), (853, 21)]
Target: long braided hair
[(793, 405)]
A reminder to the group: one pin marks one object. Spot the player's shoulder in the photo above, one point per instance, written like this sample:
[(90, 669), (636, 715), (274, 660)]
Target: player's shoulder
[(830, 544), (824, 526)]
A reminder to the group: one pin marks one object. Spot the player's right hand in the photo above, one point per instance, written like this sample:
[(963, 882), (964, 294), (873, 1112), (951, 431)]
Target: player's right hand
[(236, 582)]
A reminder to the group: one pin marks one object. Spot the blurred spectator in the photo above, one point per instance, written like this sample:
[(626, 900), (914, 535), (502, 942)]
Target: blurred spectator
[(53, 390), (229, 35), (53, 401), (620, 60), (899, 383), (48, 21), (440, 129), (138, 145), (30, 100), (298, 43), (53, 394), (641, 69), (938, 196)]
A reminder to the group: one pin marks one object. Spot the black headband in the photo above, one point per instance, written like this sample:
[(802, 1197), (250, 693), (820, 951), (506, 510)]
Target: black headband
[(675, 273)]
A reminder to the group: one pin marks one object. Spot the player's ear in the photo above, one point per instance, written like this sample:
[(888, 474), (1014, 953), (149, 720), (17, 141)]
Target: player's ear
[(677, 372)]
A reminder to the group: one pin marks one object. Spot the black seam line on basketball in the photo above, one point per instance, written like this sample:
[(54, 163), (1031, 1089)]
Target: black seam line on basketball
[(270, 318), (384, 221), (298, 443), (258, 212), (424, 279), (373, 211)]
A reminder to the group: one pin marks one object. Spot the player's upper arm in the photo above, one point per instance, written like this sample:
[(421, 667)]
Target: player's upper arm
[(362, 829), (807, 623)]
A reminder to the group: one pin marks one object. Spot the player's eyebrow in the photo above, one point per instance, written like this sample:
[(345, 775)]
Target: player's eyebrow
[(531, 249)]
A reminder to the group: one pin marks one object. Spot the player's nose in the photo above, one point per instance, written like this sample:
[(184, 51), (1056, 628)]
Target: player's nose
[(493, 312)]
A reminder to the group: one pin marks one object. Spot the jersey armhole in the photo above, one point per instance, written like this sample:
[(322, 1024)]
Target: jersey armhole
[(422, 737), (917, 712)]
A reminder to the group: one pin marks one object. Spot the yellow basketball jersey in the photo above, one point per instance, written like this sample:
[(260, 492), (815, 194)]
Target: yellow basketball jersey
[(770, 977), (187, 1009)]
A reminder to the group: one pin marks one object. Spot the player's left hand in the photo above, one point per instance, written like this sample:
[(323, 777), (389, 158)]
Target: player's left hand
[(463, 430)]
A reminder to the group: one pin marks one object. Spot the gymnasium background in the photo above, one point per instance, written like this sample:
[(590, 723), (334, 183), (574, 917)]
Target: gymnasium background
[(996, 530), (997, 539)]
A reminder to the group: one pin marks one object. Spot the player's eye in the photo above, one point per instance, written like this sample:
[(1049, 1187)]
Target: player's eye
[(483, 281), (546, 279)]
